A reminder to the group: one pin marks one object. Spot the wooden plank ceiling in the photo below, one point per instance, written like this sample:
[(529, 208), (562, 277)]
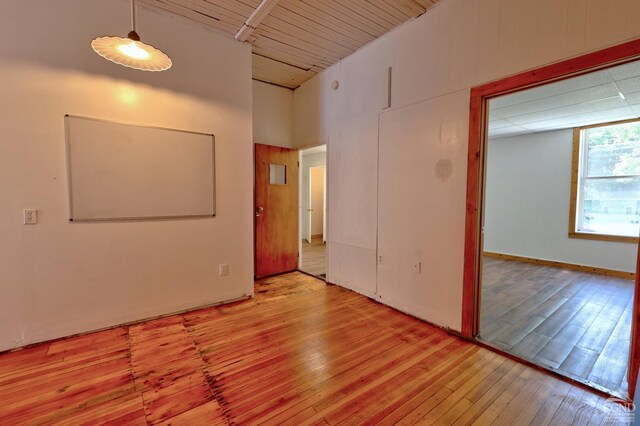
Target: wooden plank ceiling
[(300, 38)]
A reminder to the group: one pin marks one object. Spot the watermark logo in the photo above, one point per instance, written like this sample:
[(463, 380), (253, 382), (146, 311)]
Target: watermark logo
[(618, 410)]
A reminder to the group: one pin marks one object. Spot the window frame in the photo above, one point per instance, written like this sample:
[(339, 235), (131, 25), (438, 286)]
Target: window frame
[(577, 163)]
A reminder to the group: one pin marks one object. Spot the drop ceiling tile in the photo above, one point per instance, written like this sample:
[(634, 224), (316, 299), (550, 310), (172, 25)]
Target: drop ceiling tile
[(575, 98), (590, 108), (579, 101), (635, 107), (629, 85), (508, 131), (622, 72), (498, 124), (553, 89), (586, 119), (633, 98)]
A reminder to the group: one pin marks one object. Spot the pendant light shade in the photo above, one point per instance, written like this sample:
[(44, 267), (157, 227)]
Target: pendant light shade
[(130, 51)]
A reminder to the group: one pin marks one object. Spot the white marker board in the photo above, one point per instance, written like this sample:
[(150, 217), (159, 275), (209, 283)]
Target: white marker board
[(126, 172)]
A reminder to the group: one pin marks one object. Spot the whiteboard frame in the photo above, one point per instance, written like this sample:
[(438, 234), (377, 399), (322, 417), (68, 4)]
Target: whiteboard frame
[(67, 149)]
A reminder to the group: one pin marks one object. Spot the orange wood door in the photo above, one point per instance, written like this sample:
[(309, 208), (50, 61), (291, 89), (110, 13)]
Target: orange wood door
[(276, 210)]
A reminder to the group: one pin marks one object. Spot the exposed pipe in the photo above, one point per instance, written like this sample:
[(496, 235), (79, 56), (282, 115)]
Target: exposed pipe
[(254, 20)]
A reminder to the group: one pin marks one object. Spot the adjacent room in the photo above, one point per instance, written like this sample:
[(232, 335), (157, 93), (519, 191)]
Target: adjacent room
[(561, 225), (313, 211), (230, 212)]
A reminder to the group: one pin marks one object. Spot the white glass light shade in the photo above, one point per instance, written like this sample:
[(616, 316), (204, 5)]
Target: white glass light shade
[(131, 53)]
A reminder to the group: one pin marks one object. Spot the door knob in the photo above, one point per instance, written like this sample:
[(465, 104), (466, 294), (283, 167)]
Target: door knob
[(309, 210), (259, 210)]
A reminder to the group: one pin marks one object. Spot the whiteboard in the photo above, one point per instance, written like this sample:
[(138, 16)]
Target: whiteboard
[(120, 171)]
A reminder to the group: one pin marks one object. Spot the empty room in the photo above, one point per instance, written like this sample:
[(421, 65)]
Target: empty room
[(331, 212), (561, 225)]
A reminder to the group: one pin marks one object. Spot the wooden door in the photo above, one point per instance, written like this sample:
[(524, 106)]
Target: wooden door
[(276, 210)]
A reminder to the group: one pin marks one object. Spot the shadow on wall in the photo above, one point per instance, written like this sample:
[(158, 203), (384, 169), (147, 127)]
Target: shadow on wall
[(59, 34)]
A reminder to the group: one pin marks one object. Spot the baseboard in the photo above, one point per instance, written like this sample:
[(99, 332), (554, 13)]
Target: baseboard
[(572, 266)]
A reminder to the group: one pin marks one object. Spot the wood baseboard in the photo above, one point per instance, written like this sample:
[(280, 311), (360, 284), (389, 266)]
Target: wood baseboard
[(572, 266)]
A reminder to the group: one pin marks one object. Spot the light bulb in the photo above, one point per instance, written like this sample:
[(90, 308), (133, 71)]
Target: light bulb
[(134, 51)]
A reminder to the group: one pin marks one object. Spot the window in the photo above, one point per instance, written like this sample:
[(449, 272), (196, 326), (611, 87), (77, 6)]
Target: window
[(277, 174), (605, 199)]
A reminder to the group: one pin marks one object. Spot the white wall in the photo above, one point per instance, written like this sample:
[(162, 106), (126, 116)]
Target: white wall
[(527, 204), (59, 278), (272, 115), (436, 59)]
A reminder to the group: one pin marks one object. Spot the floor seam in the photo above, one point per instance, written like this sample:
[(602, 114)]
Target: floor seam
[(133, 375), (213, 388)]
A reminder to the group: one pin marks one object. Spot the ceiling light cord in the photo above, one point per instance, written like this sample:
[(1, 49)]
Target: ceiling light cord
[(133, 35)]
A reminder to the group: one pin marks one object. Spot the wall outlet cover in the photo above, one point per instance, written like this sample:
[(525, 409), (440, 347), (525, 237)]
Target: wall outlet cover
[(30, 216), (223, 269)]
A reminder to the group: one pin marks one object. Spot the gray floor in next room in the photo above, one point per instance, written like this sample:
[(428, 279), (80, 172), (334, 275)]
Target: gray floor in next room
[(576, 323)]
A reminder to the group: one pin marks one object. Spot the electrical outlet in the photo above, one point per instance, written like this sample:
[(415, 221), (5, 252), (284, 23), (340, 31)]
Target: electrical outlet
[(30, 216), (380, 259), (417, 268), (223, 269)]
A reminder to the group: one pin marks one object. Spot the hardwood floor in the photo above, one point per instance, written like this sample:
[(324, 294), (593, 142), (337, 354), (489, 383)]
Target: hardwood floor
[(301, 352), (314, 257), (576, 323)]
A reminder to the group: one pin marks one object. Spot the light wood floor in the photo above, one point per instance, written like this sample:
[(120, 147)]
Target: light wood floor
[(314, 257), (576, 323), (301, 352)]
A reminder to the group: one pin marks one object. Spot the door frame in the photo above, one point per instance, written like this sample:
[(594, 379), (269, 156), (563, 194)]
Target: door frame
[(476, 169)]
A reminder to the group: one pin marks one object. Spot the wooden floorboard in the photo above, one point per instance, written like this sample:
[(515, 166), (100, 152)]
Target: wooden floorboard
[(301, 352), (576, 323), (314, 257)]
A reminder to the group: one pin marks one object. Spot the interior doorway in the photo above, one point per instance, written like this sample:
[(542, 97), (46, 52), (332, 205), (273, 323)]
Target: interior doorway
[(313, 202), (276, 210), (561, 225), (558, 292)]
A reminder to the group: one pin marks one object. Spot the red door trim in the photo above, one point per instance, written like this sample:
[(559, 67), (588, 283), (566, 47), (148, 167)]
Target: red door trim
[(605, 58)]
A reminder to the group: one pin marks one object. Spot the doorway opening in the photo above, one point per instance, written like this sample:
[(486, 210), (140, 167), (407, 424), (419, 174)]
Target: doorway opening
[(560, 232), (553, 212), (313, 211)]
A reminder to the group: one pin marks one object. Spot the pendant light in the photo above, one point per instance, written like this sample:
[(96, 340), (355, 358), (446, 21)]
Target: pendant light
[(130, 51)]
